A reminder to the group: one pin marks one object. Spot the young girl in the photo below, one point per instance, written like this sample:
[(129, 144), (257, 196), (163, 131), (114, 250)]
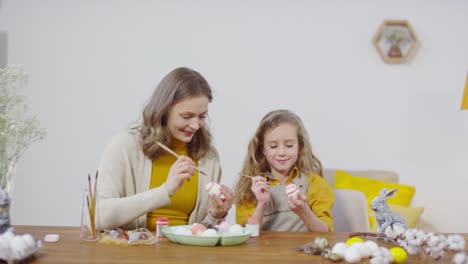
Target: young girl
[(279, 154), (139, 181)]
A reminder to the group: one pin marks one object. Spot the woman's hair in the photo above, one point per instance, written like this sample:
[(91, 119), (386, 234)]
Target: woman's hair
[(255, 162), (178, 85)]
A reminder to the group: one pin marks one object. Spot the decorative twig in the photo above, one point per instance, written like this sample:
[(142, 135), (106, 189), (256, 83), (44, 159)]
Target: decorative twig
[(367, 234)]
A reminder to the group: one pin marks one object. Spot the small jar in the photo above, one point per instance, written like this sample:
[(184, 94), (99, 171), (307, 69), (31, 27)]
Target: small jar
[(160, 223)]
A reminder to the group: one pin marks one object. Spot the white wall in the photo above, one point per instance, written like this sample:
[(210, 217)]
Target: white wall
[(93, 64)]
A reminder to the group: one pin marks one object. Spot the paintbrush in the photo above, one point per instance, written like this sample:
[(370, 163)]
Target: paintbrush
[(170, 151), (90, 189), (248, 176), (245, 175), (91, 219), (95, 186)]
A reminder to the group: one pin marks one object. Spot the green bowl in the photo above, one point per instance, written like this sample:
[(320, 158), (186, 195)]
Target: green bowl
[(229, 239), (225, 239)]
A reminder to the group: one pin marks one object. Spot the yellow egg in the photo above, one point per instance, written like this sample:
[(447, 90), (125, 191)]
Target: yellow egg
[(399, 255), (353, 240)]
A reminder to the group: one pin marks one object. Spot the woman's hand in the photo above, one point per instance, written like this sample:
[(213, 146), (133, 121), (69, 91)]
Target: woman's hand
[(181, 169), (261, 190), (298, 205), (220, 207)]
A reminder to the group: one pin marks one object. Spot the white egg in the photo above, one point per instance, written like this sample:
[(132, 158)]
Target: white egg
[(352, 255), (236, 229), (210, 233), (183, 231), (224, 226), (340, 249)]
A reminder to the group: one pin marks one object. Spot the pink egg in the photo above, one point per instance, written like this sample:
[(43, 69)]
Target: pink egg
[(224, 226), (292, 190), (198, 229)]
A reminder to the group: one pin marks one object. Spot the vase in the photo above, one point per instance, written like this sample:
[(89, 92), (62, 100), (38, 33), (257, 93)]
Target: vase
[(4, 211), (394, 51), (8, 177)]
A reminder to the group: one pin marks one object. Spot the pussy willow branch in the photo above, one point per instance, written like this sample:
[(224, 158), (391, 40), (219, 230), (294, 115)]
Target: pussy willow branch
[(370, 234), (376, 235)]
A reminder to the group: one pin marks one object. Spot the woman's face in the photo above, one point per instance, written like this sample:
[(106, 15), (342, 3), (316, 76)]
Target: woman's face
[(187, 116), (281, 148)]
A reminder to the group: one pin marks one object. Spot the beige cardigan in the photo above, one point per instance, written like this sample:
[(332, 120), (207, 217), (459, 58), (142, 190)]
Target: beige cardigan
[(124, 197)]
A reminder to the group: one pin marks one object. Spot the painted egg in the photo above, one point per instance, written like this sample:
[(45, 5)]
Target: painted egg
[(353, 240), (292, 190), (114, 233), (197, 229), (134, 236), (399, 255)]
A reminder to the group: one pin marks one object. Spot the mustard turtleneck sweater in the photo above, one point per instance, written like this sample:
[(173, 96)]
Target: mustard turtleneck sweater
[(183, 201)]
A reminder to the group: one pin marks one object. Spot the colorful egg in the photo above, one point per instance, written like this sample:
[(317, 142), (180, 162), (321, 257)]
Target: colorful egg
[(353, 240), (292, 190), (134, 236), (197, 229), (399, 255)]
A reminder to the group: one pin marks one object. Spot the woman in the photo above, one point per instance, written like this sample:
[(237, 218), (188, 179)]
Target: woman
[(139, 181)]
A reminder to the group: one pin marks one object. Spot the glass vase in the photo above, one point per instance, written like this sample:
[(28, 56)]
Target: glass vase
[(89, 230)]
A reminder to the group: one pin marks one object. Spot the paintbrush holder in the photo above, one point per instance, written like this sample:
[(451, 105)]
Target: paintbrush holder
[(89, 230)]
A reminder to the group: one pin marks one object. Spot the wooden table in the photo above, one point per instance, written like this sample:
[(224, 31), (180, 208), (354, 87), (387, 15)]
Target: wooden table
[(271, 247)]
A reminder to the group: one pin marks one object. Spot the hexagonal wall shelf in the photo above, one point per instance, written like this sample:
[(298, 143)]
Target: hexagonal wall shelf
[(395, 41)]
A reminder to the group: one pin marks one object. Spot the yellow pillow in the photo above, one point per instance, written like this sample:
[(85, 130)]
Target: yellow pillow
[(411, 214), (371, 188)]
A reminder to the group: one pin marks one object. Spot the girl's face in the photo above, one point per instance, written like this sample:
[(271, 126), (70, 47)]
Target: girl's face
[(187, 116), (281, 148)]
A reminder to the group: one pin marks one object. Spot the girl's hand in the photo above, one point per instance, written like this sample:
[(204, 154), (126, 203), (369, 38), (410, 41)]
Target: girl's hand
[(261, 190), (220, 207), (181, 169), (298, 205)]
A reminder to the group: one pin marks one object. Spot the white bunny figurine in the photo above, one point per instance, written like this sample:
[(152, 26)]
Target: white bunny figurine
[(384, 216)]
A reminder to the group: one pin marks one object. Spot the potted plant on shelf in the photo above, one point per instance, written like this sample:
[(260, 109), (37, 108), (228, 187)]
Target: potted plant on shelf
[(396, 36)]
